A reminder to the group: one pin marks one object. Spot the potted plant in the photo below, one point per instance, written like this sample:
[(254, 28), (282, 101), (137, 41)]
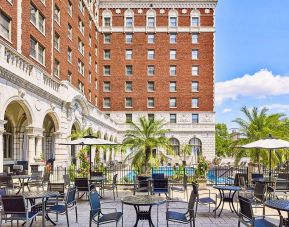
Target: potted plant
[(201, 172)]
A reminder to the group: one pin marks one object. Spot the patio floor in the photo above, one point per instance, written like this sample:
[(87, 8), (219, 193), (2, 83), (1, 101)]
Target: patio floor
[(204, 218)]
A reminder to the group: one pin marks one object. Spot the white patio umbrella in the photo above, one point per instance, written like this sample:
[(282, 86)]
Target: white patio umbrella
[(89, 141), (270, 143)]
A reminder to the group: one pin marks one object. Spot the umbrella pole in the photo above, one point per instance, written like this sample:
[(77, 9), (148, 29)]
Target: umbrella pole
[(90, 161), (270, 156)]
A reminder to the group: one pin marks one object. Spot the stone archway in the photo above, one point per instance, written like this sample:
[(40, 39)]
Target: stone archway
[(175, 145), (196, 144)]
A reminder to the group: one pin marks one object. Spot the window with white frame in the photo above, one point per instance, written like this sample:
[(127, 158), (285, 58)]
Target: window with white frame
[(173, 70), (173, 54), (151, 116), (151, 55), (195, 21), (69, 9), (96, 84), (129, 22), (173, 21), (90, 22), (89, 77), (106, 54), (69, 77), (107, 21), (173, 118), (195, 54), (173, 86), (5, 26), (151, 86), (69, 32), (151, 22), (106, 102), (151, 102), (195, 86), (89, 41), (80, 67), (128, 38), (128, 86), (173, 38), (107, 38), (81, 87), (128, 102), (81, 6), (89, 59), (69, 55), (195, 70), (128, 70), (81, 47), (151, 70), (173, 102), (96, 67), (57, 14), (56, 41), (128, 54), (37, 51), (195, 38), (128, 117), (195, 102), (36, 18), (151, 38), (195, 118), (89, 95), (106, 86), (56, 68), (81, 26), (106, 70)]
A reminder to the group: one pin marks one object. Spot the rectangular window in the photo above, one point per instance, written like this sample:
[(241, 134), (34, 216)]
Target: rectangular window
[(69, 32), (128, 70), (128, 118), (151, 70), (195, 102), (195, 22), (106, 38), (69, 55), (195, 38), (81, 47), (173, 22), (173, 54), (89, 59), (89, 96), (81, 26), (106, 86), (5, 26), (173, 38), (89, 77), (173, 86), (151, 38), (106, 70), (173, 118), (37, 18), (80, 6), (69, 9), (195, 86), (37, 51), (128, 102), (128, 54), (107, 21), (89, 41), (151, 117), (151, 86), (195, 54), (151, 55), (56, 41), (195, 118), (56, 68), (106, 54), (80, 67), (128, 38), (173, 70), (69, 77), (128, 86), (128, 22), (81, 87), (151, 102), (106, 102), (195, 70), (57, 14), (151, 22), (173, 102)]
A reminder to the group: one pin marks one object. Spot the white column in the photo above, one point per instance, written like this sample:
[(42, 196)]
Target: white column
[(1, 145), (38, 147), (31, 150)]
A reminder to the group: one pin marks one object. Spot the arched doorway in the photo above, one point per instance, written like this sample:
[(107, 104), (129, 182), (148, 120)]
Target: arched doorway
[(175, 145), (48, 143), (15, 139), (196, 149)]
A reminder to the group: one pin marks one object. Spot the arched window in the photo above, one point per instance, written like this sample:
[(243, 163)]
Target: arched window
[(106, 18), (151, 18), (195, 18), (8, 140), (173, 18), (196, 148), (175, 145), (128, 18)]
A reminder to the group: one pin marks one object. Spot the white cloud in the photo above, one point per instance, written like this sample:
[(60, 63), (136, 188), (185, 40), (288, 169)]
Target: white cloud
[(260, 85), (226, 110), (280, 108)]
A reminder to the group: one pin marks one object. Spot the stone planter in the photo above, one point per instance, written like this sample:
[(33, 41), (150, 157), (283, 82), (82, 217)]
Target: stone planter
[(202, 183)]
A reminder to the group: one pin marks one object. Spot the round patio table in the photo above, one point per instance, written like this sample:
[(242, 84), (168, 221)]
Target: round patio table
[(143, 200), (22, 179), (279, 205), (44, 195), (230, 198)]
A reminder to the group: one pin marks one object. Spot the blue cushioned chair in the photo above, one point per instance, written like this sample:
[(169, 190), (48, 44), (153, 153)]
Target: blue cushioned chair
[(96, 214), (160, 186)]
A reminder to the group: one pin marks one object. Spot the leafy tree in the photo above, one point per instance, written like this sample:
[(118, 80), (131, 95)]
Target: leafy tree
[(186, 149), (223, 141), (142, 138)]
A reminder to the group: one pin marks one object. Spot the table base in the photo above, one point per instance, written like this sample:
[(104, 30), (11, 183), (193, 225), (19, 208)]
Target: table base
[(143, 215), (229, 199)]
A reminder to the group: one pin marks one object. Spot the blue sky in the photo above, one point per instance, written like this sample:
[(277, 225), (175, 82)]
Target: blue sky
[(251, 57)]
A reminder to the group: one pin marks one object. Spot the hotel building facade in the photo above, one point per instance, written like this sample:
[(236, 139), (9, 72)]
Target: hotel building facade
[(68, 65)]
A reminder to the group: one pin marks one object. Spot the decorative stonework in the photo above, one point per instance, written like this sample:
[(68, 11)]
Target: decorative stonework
[(207, 11), (184, 11), (21, 93), (117, 11), (140, 11), (162, 11), (37, 105)]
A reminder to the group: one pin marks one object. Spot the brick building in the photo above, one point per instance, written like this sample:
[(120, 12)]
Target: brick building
[(72, 64)]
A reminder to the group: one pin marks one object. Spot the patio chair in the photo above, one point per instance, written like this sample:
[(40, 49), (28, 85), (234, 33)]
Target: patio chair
[(67, 181), (96, 214), (141, 185), (14, 209), (161, 186), (158, 176), (280, 188), (246, 215), (187, 217), (110, 187), (175, 187), (69, 203), (83, 186), (38, 181), (7, 182)]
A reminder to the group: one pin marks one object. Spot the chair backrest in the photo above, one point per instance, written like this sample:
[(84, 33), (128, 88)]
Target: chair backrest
[(242, 182), (94, 202), (257, 175), (161, 183), (70, 196), (158, 175), (283, 185), (5, 180), (97, 174), (66, 179), (81, 184), (237, 178), (46, 177), (114, 180), (260, 191), (245, 208), (37, 175), (2, 192), (56, 187), (13, 204), (192, 200)]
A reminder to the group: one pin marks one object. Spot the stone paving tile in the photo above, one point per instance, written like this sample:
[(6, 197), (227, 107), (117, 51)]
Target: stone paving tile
[(204, 218)]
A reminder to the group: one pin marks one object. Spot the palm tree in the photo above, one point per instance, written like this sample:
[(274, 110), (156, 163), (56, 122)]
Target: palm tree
[(142, 138), (186, 149)]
